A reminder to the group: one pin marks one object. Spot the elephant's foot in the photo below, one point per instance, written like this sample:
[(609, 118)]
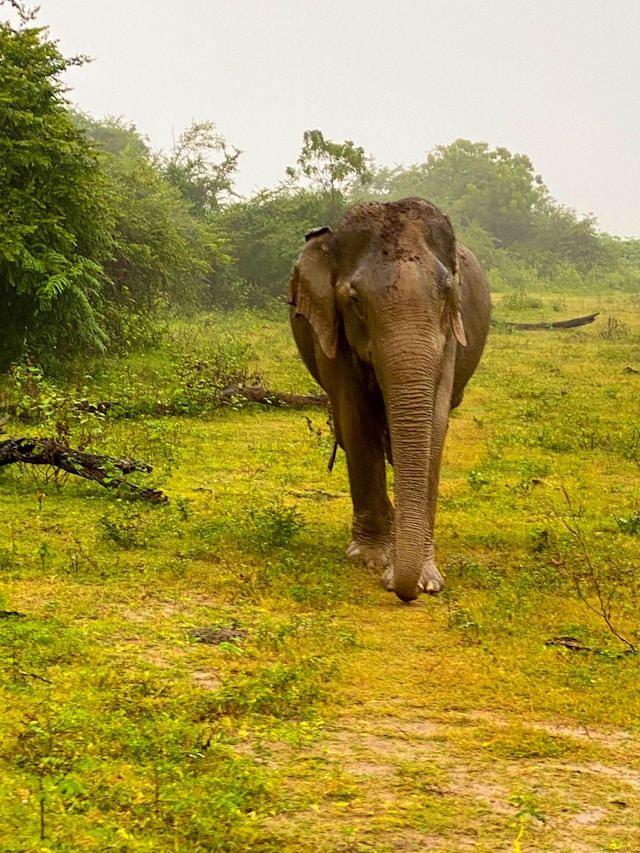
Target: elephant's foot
[(430, 581), (375, 555), (387, 579), (430, 578)]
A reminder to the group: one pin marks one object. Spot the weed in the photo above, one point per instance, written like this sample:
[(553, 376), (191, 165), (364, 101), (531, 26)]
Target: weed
[(45, 750), (33, 649), (283, 690), (527, 812), (43, 552), (596, 586), (204, 378), (59, 414), (126, 525), (613, 330)]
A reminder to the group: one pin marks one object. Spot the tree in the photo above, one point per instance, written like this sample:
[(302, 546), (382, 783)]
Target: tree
[(112, 134), (55, 220), (494, 190), (561, 235), (497, 202), (330, 168), (162, 254), (202, 167)]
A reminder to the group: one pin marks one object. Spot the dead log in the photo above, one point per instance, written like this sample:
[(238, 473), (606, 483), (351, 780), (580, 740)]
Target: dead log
[(257, 394), (559, 324), (105, 470)]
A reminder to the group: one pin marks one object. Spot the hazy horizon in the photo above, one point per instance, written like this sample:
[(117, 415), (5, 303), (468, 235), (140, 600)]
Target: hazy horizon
[(545, 81)]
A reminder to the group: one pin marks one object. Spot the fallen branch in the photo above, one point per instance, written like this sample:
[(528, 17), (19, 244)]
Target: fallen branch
[(559, 324), (105, 470)]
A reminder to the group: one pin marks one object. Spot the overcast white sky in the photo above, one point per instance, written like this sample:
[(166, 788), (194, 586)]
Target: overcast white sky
[(555, 79)]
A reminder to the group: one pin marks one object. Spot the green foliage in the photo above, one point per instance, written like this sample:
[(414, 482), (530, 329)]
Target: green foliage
[(265, 236), (520, 300), (159, 251), (112, 135), (165, 254), (559, 235), (55, 220), (478, 187), (58, 412), (126, 525), (494, 188)]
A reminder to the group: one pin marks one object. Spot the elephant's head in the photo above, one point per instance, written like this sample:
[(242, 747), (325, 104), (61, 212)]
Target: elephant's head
[(381, 293)]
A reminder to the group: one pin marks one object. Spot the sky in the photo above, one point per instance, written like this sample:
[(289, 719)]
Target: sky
[(554, 79)]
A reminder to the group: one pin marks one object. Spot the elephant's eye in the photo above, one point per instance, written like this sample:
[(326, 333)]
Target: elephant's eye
[(357, 306)]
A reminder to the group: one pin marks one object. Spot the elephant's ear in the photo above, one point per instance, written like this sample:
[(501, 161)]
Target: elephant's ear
[(458, 329), (311, 291), (456, 316), (450, 287)]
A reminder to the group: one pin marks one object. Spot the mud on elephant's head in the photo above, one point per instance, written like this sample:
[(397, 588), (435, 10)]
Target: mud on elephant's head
[(378, 253), (377, 311)]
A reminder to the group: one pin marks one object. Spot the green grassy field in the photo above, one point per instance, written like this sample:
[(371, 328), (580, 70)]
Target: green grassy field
[(211, 674)]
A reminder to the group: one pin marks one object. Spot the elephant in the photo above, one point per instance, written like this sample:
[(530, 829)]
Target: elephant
[(390, 315)]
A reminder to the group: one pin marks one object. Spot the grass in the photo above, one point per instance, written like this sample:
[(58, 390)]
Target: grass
[(213, 675)]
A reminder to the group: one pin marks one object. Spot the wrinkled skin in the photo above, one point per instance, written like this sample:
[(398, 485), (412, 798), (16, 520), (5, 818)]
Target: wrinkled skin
[(390, 315)]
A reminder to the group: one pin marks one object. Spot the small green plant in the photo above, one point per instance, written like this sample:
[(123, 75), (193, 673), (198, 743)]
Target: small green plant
[(274, 526), (43, 552), (126, 525), (630, 524), (37, 399), (527, 812), (45, 750), (61, 415), (477, 480)]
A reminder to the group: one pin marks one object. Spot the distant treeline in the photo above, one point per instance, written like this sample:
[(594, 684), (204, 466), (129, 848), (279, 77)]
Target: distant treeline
[(100, 235)]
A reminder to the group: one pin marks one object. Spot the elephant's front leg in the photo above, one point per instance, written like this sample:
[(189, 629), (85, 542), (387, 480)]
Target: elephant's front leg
[(360, 424)]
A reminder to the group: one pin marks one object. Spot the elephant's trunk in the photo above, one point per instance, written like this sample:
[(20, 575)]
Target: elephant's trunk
[(410, 399)]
